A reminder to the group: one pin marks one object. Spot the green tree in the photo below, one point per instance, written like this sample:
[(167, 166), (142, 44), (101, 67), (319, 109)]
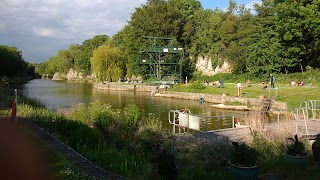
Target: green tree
[(74, 54), (64, 62), (156, 18), (264, 48), (40, 68), (107, 63), (87, 48), (12, 63), (298, 23)]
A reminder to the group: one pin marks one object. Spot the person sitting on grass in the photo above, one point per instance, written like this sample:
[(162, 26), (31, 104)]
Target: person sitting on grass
[(293, 83), (300, 83), (264, 86), (220, 84), (248, 83)]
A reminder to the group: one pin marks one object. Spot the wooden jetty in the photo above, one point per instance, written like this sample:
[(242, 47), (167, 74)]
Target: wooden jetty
[(303, 128)]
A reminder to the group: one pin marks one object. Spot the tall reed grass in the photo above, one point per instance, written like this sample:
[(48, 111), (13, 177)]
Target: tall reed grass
[(128, 143)]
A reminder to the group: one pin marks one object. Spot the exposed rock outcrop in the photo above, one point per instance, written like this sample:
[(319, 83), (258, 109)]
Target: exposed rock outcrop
[(204, 65), (72, 75), (58, 76)]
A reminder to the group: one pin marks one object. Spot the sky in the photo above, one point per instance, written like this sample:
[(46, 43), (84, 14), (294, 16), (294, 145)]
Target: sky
[(40, 28)]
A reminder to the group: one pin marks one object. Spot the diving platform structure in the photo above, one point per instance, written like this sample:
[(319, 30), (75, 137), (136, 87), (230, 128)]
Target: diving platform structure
[(163, 59)]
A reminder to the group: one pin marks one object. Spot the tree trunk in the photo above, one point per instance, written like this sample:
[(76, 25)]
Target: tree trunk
[(301, 67)]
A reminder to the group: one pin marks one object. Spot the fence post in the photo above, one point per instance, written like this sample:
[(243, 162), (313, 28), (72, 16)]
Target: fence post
[(278, 116), (232, 120), (206, 130), (174, 123), (16, 104)]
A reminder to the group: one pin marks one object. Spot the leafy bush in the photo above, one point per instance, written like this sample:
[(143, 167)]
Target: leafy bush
[(243, 155), (317, 141), (149, 136), (132, 116), (297, 148), (153, 123)]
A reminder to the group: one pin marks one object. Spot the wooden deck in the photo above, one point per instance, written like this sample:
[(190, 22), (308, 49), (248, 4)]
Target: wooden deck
[(242, 134)]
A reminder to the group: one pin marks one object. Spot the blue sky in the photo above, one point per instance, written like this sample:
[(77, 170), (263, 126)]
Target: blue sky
[(40, 28)]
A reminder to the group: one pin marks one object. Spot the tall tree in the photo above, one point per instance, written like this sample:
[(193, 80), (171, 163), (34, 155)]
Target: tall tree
[(107, 63), (156, 18), (298, 23), (83, 63), (264, 52), (12, 63)]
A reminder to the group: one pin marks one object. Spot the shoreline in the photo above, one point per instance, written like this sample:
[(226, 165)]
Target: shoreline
[(210, 98)]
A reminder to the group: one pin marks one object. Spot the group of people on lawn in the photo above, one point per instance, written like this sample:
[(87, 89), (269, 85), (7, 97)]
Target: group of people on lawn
[(299, 83), (264, 85), (220, 83)]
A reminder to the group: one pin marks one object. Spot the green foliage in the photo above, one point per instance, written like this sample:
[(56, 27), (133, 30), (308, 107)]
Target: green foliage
[(298, 26), (297, 148), (132, 116), (243, 155), (87, 48), (108, 63), (110, 153), (196, 87), (99, 115), (153, 123), (211, 160), (158, 19), (270, 152), (12, 63), (317, 141), (149, 136), (76, 57), (282, 37)]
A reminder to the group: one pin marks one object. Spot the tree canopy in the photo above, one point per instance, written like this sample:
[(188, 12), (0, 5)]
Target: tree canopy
[(281, 36), (12, 63), (107, 63)]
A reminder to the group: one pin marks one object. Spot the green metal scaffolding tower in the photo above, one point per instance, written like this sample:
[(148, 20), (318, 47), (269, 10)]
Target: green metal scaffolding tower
[(164, 60)]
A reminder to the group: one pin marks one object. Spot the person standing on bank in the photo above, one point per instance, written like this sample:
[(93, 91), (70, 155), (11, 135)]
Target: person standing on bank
[(272, 80)]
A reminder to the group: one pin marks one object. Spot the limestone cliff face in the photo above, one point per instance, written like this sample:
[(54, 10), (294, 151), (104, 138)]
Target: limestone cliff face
[(72, 75), (58, 76), (204, 65)]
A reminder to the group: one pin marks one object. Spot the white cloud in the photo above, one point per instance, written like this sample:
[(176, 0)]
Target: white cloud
[(56, 24), (250, 5)]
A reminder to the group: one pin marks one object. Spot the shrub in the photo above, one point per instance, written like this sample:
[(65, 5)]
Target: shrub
[(132, 116), (243, 155), (297, 148)]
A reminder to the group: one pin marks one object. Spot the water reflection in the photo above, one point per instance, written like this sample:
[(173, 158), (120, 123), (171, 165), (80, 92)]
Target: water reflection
[(61, 94)]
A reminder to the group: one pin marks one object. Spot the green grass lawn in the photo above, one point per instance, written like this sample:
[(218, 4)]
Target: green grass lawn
[(293, 95)]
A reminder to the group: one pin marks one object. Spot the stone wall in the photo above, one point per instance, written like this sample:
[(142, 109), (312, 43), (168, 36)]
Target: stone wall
[(211, 98), (125, 87), (220, 99)]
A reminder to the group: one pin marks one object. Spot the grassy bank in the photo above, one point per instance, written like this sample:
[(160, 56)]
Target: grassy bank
[(128, 143), (115, 142), (293, 95)]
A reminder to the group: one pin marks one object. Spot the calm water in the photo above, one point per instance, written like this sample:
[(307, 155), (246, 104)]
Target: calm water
[(61, 94)]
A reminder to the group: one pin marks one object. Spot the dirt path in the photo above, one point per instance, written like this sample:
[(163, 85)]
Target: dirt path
[(76, 159)]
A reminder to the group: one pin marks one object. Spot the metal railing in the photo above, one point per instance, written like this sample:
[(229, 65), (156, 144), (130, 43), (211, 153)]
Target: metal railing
[(186, 121)]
